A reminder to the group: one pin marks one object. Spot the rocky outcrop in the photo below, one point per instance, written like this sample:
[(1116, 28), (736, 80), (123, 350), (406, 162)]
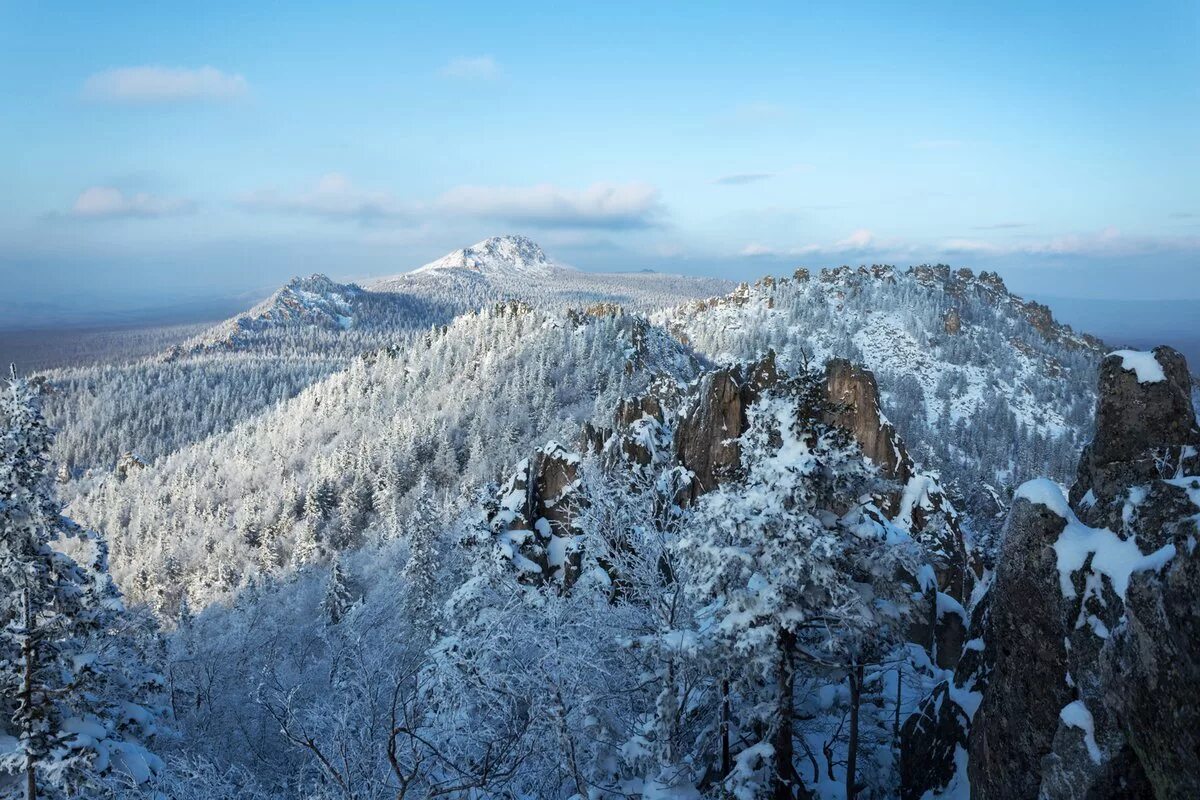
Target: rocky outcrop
[(993, 281), (952, 322), (1095, 610), (1145, 430), (1150, 671), (855, 394), (532, 518), (918, 502), (1040, 318), (639, 432), (930, 739), (706, 435), (1014, 728), (129, 464)]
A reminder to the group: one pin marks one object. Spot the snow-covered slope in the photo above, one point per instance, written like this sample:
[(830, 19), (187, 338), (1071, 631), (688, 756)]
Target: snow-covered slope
[(453, 407), (982, 384), (514, 267), (320, 309), (332, 431), (498, 257), (310, 328)]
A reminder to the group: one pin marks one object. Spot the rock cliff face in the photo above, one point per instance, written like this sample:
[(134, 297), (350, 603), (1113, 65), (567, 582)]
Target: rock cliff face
[(1015, 725), (952, 323), (854, 390), (696, 431), (918, 503), (1095, 609), (532, 518), (1145, 430), (706, 436)]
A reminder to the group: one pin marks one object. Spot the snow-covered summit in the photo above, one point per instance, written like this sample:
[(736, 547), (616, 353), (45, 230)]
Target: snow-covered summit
[(499, 256)]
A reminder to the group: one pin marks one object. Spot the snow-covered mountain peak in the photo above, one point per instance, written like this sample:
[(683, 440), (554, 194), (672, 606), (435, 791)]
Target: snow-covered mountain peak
[(498, 256), (315, 300)]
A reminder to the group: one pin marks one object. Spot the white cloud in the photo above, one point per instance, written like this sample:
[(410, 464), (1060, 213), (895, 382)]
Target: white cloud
[(334, 197), (106, 202), (742, 178), (1106, 242), (756, 249), (602, 205), (1000, 226), (479, 68), (149, 85), (860, 241)]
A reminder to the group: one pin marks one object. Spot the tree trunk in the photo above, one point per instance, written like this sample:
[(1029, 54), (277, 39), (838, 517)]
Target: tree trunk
[(899, 699), (726, 760), (29, 654), (856, 682), (786, 779)]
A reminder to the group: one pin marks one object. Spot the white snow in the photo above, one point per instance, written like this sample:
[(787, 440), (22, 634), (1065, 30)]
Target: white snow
[(1143, 363), (1111, 555), (497, 256), (926, 577), (1076, 715), (1045, 492), (948, 605)]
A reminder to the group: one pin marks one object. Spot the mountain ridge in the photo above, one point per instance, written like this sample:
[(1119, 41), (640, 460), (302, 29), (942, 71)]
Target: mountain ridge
[(495, 257)]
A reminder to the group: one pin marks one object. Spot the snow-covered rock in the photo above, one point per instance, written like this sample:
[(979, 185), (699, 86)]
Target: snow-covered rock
[(1094, 608)]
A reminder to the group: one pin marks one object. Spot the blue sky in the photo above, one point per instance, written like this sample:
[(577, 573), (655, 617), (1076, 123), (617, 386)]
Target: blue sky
[(164, 151)]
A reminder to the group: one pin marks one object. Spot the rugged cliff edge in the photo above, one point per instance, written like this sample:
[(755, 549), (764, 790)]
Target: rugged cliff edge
[(1091, 625)]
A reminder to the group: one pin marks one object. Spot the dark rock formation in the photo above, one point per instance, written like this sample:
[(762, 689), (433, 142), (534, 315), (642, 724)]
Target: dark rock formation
[(1040, 318), (533, 516), (854, 391), (706, 436), (1015, 725), (929, 739), (918, 503), (952, 322), (129, 464), (1150, 671), (1143, 430), (993, 281), (1092, 692)]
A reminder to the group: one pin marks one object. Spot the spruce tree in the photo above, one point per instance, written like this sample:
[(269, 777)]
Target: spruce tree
[(339, 598), (70, 683)]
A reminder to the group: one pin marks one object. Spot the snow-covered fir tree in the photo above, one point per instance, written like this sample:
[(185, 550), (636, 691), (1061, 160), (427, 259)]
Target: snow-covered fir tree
[(78, 708), (793, 566), (339, 595)]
